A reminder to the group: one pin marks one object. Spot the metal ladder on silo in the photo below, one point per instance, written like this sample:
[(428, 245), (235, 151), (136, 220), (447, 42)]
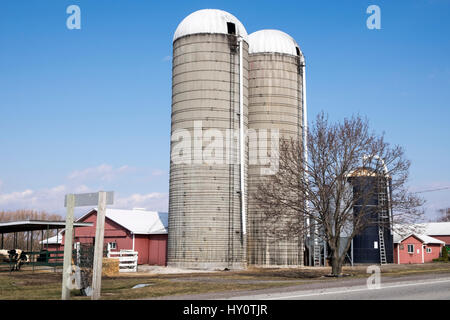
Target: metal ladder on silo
[(231, 167), (382, 248), (315, 246), (316, 254), (382, 216)]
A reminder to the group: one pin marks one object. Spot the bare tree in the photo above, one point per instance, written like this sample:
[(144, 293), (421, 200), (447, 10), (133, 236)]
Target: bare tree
[(444, 215), (324, 191)]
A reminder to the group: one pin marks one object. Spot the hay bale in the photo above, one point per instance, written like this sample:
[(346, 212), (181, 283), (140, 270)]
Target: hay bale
[(110, 267)]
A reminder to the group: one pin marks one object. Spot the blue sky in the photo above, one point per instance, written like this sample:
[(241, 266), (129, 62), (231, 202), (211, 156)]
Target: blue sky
[(83, 110)]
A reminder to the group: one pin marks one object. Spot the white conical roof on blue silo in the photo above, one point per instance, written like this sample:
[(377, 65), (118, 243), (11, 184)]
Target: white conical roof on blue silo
[(272, 41), (209, 21)]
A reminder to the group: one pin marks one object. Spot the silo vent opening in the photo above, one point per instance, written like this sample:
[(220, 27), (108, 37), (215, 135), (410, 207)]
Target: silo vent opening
[(231, 27), (297, 50)]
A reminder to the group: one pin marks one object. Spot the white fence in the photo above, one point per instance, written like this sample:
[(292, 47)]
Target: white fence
[(127, 259)]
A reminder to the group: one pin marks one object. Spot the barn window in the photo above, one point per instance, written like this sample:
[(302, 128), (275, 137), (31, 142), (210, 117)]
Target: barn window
[(410, 248), (231, 27), (428, 250), (375, 244), (112, 245)]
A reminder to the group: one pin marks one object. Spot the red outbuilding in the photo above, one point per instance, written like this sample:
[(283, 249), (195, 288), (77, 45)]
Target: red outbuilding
[(137, 230), (438, 230), (416, 248)]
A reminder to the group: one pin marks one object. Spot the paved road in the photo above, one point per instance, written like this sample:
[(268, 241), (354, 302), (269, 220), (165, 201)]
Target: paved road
[(436, 289), (431, 286)]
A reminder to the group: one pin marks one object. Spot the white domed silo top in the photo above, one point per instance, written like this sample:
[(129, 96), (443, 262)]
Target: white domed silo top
[(209, 21), (274, 41)]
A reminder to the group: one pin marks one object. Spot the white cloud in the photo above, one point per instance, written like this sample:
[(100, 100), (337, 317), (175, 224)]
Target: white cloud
[(93, 179), (103, 172), (123, 168), (52, 199), (158, 172), (15, 196), (82, 189), (152, 201), (45, 199)]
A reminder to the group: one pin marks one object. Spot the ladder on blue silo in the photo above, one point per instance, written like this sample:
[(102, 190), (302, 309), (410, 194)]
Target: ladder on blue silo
[(382, 216), (383, 259)]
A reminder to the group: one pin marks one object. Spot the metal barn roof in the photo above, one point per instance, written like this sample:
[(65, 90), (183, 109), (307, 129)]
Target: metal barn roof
[(436, 228), (33, 225), (424, 238), (272, 41), (138, 221), (209, 21), (53, 240)]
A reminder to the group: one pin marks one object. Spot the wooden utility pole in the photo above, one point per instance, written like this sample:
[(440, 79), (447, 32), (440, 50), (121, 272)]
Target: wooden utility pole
[(67, 266), (80, 200), (98, 250)]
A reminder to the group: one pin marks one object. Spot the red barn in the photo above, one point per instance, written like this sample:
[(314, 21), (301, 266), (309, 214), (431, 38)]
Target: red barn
[(416, 248), (137, 230), (438, 230)]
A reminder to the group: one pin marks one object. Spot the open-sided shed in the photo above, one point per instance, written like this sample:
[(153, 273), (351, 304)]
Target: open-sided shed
[(40, 255)]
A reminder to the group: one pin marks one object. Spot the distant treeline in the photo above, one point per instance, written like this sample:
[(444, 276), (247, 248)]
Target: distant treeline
[(24, 239)]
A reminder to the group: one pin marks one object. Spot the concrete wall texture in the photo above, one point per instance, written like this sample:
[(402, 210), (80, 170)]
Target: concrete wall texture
[(275, 102), (206, 228), (204, 200)]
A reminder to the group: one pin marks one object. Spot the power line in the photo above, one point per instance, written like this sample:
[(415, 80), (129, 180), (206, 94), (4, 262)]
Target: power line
[(432, 190)]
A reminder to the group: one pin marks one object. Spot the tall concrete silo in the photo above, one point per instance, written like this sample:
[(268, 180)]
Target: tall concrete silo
[(276, 102), (207, 213)]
